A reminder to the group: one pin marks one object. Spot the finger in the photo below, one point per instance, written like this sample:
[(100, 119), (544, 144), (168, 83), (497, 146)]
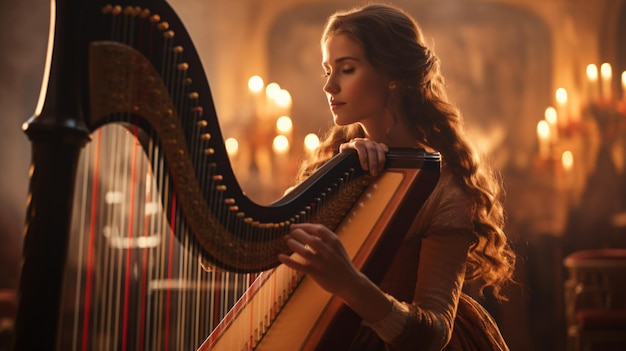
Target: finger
[(365, 158), (346, 146), (305, 244), (316, 230), (293, 264), (351, 144), (302, 249), (358, 145), (372, 160), (382, 156), (321, 240), (371, 154), (362, 148), (376, 157)]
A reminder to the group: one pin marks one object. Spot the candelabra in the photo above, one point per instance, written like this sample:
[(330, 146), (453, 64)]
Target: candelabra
[(263, 154), (572, 138)]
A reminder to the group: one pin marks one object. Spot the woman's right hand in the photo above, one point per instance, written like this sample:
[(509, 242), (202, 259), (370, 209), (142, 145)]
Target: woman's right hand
[(371, 153)]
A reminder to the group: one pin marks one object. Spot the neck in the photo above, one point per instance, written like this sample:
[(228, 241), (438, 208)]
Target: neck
[(392, 134)]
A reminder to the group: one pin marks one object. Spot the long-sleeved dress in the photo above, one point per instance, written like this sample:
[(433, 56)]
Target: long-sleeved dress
[(425, 282)]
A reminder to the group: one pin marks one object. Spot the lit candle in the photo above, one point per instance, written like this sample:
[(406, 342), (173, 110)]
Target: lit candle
[(283, 101), (567, 160), (606, 73), (255, 86), (284, 126), (543, 132), (271, 92), (624, 86), (592, 82), (551, 118), (280, 145), (232, 146), (574, 108), (311, 142), (561, 103)]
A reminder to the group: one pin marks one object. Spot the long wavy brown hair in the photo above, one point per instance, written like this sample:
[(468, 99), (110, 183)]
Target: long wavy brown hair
[(393, 44)]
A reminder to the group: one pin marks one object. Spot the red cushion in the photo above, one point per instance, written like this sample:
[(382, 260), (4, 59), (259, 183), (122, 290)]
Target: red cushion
[(602, 319), (8, 303), (600, 258), (598, 254)]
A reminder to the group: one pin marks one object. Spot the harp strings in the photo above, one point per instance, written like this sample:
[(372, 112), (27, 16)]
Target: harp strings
[(136, 285), (141, 286)]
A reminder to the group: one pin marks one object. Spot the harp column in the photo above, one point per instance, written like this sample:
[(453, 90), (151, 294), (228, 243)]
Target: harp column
[(57, 134)]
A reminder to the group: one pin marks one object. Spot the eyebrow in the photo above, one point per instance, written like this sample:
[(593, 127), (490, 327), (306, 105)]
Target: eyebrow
[(341, 59), (344, 58)]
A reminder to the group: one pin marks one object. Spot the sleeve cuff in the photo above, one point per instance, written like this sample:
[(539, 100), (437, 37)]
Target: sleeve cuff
[(393, 324)]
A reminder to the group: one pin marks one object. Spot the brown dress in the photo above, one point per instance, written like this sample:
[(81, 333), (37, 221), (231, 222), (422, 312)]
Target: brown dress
[(428, 275)]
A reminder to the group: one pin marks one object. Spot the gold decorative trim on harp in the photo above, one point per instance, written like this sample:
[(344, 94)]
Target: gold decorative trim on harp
[(158, 90), (313, 319)]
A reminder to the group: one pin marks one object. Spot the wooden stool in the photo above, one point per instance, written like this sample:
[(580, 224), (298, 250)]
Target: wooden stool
[(595, 300)]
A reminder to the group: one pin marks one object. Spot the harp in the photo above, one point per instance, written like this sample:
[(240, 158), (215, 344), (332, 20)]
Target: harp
[(130, 64)]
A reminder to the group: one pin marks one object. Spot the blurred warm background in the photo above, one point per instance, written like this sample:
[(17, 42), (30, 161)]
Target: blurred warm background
[(541, 84)]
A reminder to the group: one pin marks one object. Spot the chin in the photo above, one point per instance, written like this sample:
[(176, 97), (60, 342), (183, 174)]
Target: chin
[(340, 122)]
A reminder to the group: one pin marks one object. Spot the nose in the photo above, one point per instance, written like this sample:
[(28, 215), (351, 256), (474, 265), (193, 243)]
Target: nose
[(331, 86)]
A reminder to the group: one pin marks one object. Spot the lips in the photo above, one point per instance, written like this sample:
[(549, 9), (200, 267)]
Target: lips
[(335, 104)]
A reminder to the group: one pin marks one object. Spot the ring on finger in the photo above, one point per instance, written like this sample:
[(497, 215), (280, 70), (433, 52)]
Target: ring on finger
[(309, 249)]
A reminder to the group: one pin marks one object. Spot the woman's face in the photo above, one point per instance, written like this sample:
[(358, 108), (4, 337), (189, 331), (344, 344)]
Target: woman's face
[(356, 92)]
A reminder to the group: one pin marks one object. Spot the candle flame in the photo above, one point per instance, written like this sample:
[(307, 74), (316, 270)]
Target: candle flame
[(543, 130), (284, 124), (311, 141), (255, 84), (606, 71), (280, 144), (567, 159), (592, 72), (283, 98), (561, 96), (550, 115), (272, 90), (232, 146)]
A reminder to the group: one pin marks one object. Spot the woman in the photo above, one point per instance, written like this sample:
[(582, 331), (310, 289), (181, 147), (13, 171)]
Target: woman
[(385, 89)]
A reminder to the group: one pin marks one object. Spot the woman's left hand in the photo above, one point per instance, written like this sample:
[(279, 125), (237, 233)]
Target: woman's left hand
[(325, 258)]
